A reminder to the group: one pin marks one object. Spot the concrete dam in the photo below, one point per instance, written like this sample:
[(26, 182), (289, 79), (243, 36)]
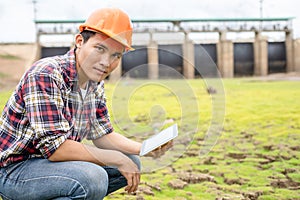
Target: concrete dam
[(160, 43)]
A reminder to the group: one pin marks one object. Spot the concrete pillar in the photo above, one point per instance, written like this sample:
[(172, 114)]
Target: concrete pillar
[(37, 54), (188, 59), (289, 51), (225, 56), (116, 74), (297, 58), (222, 35), (260, 55), (153, 65)]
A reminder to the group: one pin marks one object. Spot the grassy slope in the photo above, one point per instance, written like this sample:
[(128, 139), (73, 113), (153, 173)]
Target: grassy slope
[(256, 156), (262, 126)]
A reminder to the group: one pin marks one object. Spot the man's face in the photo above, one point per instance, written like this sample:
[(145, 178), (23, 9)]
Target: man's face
[(97, 57)]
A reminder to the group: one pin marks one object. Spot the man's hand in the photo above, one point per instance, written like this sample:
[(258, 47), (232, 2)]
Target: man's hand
[(160, 151), (132, 174)]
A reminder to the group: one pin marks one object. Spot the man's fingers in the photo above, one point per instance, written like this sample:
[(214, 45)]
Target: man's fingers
[(137, 181), (132, 185), (133, 180), (129, 183), (168, 145), (132, 174), (161, 150)]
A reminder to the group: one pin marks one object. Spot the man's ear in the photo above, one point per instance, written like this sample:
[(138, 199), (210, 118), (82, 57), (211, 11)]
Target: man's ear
[(79, 40)]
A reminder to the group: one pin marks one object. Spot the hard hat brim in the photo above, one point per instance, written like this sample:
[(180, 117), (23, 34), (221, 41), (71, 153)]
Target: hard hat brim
[(110, 35)]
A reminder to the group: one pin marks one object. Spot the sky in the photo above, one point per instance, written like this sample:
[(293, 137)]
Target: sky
[(17, 16)]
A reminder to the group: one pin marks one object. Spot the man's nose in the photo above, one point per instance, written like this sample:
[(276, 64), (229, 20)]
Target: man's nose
[(105, 60)]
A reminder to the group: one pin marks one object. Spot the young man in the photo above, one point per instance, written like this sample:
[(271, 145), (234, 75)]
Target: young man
[(59, 101)]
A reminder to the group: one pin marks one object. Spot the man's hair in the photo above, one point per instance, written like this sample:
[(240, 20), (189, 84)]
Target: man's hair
[(86, 35)]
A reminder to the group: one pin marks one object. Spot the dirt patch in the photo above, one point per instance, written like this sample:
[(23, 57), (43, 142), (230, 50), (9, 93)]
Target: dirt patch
[(146, 190), (232, 181), (177, 184), (14, 60), (285, 183), (10, 72), (291, 76), (237, 156), (186, 178), (209, 161), (193, 178), (252, 195)]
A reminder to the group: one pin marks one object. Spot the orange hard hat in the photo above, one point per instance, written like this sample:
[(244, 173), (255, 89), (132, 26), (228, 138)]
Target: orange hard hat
[(113, 22)]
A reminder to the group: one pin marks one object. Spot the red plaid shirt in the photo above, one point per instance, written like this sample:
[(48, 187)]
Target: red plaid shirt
[(47, 108)]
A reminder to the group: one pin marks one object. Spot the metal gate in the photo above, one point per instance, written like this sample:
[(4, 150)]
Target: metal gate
[(170, 61), (135, 63), (206, 60), (276, 57), (53, 51), (243, 59)]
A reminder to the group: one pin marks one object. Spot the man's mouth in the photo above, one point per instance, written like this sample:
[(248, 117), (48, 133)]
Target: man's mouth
[(100, 71)]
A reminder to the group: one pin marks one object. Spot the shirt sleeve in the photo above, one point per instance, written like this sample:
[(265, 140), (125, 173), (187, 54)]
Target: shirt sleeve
[(101, 124), (44, 107)]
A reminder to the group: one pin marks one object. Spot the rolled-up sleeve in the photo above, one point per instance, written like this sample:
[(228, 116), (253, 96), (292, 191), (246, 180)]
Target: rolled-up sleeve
[(44, 107)]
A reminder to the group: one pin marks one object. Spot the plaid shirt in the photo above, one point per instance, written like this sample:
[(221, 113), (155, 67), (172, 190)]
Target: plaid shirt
[(47, 108)]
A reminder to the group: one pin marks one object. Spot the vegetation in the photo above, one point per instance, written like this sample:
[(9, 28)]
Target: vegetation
[(9, 56), (255, 157)]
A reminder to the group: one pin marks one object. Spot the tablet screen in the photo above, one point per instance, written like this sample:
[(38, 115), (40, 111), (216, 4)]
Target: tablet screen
[(159, 139)]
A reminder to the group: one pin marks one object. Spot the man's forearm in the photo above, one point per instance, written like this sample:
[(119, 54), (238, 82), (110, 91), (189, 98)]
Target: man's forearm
[(74, 151), (116, 141)]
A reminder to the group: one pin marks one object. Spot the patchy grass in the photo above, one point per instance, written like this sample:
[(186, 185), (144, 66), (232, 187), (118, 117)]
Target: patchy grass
[(256, 157), (2, 75), (9, 57)]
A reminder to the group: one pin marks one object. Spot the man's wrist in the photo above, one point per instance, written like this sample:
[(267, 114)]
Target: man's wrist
[(138, 148)]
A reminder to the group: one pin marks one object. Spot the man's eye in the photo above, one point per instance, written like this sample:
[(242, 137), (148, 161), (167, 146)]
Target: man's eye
[(100, 49), (117, 56)]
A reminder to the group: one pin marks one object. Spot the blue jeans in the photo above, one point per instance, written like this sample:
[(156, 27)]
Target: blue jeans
[(39, 178)]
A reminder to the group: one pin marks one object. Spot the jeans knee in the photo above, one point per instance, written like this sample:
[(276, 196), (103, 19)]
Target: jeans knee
[(94, 180), (136, 160)]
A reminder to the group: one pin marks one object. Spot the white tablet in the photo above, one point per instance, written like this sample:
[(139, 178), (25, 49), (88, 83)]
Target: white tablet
[(159, 139)]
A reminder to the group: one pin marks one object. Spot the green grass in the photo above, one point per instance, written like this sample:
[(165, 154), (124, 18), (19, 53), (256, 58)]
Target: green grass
[(4, 96), (261, 124), (2, 75)]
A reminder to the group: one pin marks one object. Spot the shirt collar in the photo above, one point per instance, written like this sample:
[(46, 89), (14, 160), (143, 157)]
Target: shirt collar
[(71, 72)]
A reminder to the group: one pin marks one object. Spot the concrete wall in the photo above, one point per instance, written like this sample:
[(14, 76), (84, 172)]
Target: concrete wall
[(26, 54)]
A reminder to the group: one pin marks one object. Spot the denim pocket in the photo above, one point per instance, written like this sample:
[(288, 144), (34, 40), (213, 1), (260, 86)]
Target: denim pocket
[(9, 169), (2, 170)]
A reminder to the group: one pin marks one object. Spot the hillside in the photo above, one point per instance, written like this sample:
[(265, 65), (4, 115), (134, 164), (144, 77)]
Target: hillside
[(14, 60)]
